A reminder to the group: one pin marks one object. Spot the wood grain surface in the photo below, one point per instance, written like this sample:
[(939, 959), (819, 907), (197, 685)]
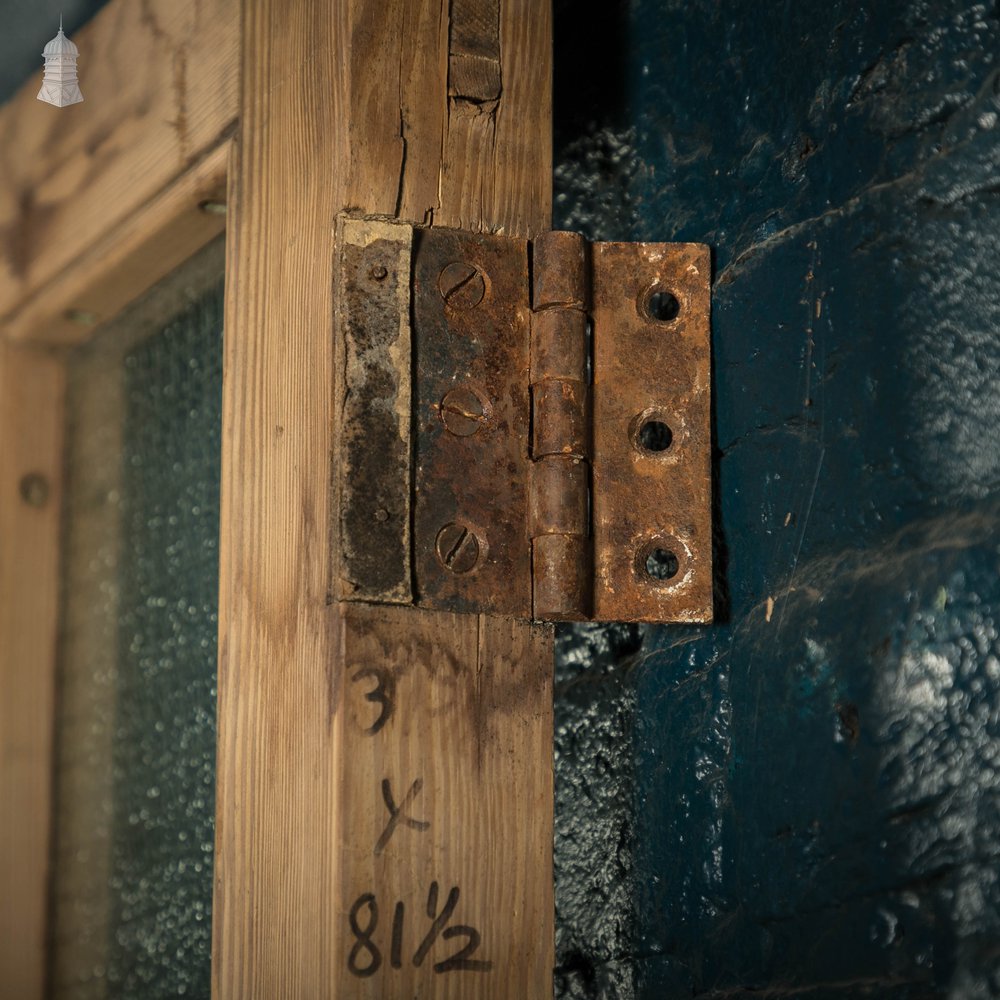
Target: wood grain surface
[(117, 268), (160, 81), (31, 425), (349, 105)]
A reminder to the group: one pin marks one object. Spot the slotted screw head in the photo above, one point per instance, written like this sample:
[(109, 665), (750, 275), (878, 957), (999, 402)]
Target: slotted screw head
[(457, 548), (462, 285), (463, 411)]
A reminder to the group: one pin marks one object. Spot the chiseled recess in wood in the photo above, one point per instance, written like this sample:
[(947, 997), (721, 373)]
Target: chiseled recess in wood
[(118, 268), (474, 50), (373, 455), (31, 420), (160, 81), (346, 106)]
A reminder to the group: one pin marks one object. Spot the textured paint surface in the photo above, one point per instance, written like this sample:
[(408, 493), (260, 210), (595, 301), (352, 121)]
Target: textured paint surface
[(802, 800)]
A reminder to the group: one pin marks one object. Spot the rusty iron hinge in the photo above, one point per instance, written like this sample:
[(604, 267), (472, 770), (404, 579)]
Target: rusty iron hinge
[(524, 427)]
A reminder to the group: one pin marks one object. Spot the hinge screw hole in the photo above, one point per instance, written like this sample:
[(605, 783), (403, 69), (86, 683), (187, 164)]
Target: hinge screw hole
[(661, 564), (655, 436), (663, 306)]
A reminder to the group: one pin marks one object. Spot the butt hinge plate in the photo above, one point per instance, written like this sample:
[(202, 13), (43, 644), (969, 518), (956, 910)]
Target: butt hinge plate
[(524, 429)]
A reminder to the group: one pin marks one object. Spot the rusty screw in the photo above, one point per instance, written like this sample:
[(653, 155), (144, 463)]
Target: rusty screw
[(457, 548), (212, 207), (378, 273), (34, 489), (463, 411), (462, 285)]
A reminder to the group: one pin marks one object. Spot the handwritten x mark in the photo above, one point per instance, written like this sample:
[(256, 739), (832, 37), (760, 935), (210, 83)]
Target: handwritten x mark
[(397, 814)]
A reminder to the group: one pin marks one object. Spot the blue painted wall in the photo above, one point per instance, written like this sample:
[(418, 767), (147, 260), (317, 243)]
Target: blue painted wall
[(802, 799)]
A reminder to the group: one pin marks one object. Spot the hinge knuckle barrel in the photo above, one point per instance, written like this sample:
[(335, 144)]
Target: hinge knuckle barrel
[(557, 503), (561, 577), (559, 344), (559, 271), (561, 419), (559, 491)]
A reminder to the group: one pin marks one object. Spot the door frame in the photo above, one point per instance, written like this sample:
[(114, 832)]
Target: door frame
[(287, 111)]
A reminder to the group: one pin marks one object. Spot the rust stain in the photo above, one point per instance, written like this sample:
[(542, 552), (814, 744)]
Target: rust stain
[(535, 493), (463, 678), (651, 390), (373, 465), (476, 343), (562, 585)]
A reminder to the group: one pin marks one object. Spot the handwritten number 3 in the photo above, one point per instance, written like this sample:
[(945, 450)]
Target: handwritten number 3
[(382, 694)]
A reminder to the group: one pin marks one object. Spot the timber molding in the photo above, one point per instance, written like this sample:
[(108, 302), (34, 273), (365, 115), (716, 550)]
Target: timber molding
[(32, 387), (100, 200)]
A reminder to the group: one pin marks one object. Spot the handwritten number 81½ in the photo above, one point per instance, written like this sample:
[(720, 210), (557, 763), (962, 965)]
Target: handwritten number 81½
[(365, 958)]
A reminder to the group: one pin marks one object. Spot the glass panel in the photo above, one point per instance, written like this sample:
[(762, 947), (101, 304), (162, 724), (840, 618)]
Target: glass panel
[(136, 720)]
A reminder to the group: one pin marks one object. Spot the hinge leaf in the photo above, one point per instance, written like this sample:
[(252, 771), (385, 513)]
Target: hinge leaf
[(544, 455)]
